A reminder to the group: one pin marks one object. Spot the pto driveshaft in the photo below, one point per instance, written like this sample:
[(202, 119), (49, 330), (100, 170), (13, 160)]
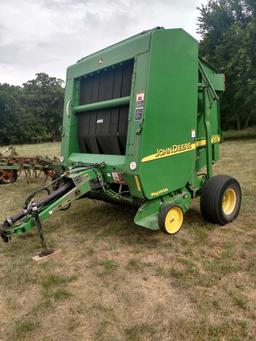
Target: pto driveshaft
[(77, 183)]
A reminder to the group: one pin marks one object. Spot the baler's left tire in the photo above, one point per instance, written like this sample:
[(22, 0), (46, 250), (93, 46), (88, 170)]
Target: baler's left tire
[(220, 199), (170, 219)]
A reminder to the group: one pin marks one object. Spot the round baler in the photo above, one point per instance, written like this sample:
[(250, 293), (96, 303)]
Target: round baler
[(141, 127)]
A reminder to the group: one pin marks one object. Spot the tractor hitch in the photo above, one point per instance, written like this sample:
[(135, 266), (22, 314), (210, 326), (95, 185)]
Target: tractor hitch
[(75, 184)]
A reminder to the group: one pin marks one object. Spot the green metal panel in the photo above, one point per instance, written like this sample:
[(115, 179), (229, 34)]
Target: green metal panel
[(170, 112), (114, 54), (162, 144), (218, 83), (136, 127), (69, 143), (114, 163)]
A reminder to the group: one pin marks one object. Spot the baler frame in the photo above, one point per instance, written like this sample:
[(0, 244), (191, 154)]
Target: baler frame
[(162, 172)]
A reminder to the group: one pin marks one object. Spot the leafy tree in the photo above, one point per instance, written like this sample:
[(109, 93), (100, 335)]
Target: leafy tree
[(44, 97), (10, 114), (228, 30), (33, 112)]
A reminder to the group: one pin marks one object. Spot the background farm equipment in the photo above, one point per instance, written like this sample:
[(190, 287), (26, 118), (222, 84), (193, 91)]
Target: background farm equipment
[(140, 127), (31, 167)]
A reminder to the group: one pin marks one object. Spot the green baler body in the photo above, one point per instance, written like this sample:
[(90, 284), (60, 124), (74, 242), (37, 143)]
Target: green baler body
[(166, 140), (140, 127)]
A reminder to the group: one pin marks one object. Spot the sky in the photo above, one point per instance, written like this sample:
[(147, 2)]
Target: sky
[(49, 35)]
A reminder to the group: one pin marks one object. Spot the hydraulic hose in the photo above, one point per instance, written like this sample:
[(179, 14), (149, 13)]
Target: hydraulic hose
[(53, 196)]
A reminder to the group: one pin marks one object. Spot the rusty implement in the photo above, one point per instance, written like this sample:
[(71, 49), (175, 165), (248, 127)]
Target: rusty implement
[(32, 168)]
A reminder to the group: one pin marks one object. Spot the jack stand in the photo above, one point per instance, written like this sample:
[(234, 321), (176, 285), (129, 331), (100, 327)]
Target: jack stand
[(45, 250)]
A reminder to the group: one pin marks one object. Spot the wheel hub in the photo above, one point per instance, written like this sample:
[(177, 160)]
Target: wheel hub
[(174, 220), (229, 201)]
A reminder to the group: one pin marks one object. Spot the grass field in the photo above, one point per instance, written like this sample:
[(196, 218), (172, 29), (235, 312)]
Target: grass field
[(117, 281), (248, 133)]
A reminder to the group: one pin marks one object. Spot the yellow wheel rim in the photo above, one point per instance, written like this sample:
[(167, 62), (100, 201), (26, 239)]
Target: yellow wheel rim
[(173, 220), (229, 201)]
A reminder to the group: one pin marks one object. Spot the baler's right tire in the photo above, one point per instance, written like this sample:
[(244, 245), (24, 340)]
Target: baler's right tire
[(170, 219), (8, 176), (220, 199)]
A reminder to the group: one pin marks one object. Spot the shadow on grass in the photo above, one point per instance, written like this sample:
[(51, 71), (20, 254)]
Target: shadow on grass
[(88, 219)]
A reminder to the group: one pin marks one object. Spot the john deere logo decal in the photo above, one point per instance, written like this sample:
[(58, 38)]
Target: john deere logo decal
[(178, 149)]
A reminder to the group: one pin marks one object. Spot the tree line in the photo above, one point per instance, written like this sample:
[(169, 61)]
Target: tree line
[(33, 112), (228, 30)]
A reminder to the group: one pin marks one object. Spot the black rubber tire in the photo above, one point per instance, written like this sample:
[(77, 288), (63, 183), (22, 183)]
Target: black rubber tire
[(212, 198), (13, 178), (162, 215)]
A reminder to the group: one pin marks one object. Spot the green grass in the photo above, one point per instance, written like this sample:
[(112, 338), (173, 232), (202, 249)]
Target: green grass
[(106, 266), (88, 252), (240, 134), (24, 326), (56, 280), (48, 149), (61, 294), (136, 265), (140, 331), (240, 302), (116, 281)]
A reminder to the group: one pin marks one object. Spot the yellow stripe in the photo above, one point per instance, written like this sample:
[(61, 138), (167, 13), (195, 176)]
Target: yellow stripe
[(137, 181), (214, 139), (169, 152), (200, 143)]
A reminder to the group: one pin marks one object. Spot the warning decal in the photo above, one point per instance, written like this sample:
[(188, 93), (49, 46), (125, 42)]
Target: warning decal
[(139, 106)]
